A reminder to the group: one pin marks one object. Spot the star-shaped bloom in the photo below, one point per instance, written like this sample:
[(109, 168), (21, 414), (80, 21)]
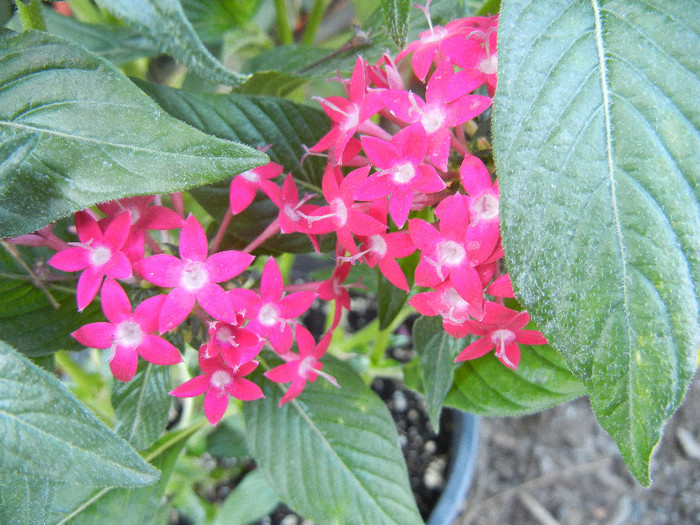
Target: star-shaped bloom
[(444, 253), (237, 345), (271, 312), (403, 171), (128, 334), (143, 217), (302, 367), (218, 383), (436, 114), (193, 277), (446, 302), (501, 328), (244, 186), (97, 254)]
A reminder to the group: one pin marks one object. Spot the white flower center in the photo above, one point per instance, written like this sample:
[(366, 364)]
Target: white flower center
[(100, 255), (437, 34), (291, 212), (268, 315), (340, 211), (352, 119), (306, 366), (128, 334), (502, 337), (404, 173), (194, 276), (485, 207), (220, 379), (378, 245), (433, 119), (451, 253), (489, 66), (251, 176), (223, 334)]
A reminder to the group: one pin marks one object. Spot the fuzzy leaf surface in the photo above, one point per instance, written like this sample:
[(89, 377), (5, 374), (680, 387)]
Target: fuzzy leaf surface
[(165, 24), (141, 406), (332, 453), (47, 434), (436, 351), (75, 131), (597, 147), (396, 18)]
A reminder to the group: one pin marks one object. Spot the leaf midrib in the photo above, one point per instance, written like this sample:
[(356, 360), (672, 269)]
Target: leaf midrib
[(605, 90)]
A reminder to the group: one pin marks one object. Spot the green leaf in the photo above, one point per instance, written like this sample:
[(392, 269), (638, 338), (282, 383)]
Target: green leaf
[(228, 439), (164, 23), (486, 387), (598, 153), (436, 353), (259, 121), (141, 406), (396, 17), (75, 131), (25, 306), (142, 506), (212, 18), (251, 500), (118, 44), (332, 453), (47, 434)]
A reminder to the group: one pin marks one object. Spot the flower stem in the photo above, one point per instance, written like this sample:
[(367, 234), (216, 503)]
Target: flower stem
[(271, 230), (313, 22), (178, 203), (286, 35), (216, 241), (30, 14)]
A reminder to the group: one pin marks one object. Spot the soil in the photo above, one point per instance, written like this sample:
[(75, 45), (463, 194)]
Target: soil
[(559, 466)]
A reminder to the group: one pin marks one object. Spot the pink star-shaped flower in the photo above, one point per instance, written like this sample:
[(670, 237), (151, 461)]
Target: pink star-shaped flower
[(97, 254), (193, 277), (501, 328), (218, 382), (235, 344), (128, 334), (244, 186), (302, 367), (271, 313), (403, 171)]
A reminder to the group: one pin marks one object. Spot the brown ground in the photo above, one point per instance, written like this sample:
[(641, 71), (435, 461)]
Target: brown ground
[(560, 467)]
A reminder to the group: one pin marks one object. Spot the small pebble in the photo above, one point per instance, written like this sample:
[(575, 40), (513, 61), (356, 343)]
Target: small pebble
[(290, 520), (434, 477), (400, 403)]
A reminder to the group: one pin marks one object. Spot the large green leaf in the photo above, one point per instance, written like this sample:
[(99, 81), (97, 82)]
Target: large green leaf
[(75, 131), (487, 388), (25, 306), (164, 23), (251, 500), (116, 43), (598, 154), (260, 121), (332, 454), (436, 351), (141, 505), (212, 18), (141, 406), (47, 434)]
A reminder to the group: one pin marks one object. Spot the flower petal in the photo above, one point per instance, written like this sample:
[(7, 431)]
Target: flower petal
[(95, 335), (193, 241), (176, 307), (244, 389), (158, 351), (115, 302), (212, 298), (215, 404), (88, 285), (71, 259), (124, 363), (162, 270), (194, 387), (226, 265)]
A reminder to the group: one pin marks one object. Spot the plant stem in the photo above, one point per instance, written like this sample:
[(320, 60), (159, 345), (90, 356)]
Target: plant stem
[(313, 22), (30, 14), (36, 281), (489, 7), (216, 241), (286, 35)]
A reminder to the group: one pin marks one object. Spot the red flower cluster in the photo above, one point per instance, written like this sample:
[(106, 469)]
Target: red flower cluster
[(427, 165)]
